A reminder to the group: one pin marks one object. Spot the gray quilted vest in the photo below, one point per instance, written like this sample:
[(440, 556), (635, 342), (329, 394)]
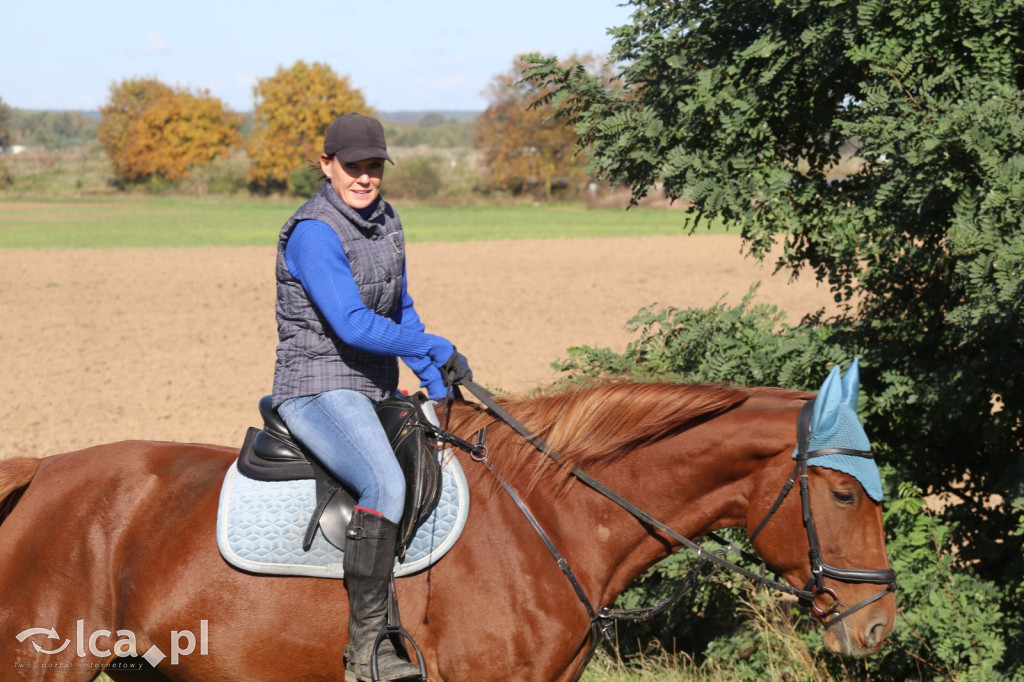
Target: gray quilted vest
[(311, 358)]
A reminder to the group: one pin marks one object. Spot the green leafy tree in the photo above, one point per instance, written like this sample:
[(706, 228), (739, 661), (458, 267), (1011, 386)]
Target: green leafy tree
[(744, 109), (5, 125), (293, 109), (5, 140), (52, 129)]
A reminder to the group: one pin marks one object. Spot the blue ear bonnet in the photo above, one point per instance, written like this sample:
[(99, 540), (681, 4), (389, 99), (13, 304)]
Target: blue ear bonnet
[(834, 424)]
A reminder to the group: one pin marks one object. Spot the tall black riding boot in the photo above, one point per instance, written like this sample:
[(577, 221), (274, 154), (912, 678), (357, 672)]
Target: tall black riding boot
[(370, 544)]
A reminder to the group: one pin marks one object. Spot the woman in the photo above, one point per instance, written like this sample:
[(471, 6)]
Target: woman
[(344, 317)]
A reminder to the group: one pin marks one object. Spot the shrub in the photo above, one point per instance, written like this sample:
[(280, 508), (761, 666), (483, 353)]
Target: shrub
[(415, 177), (951, 624)]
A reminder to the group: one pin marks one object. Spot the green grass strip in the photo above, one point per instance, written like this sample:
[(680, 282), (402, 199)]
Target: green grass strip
[(134, 222)]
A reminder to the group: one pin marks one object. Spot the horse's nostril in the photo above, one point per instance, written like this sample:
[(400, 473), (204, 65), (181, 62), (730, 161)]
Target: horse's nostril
[(876, 633)]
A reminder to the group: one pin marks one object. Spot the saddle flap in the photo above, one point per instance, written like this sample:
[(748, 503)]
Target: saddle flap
[(333, 511), (273, 454), (407, 426)]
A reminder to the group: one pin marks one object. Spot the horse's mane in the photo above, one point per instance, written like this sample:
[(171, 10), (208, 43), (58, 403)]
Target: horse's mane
[(597, 425), (15, 475)]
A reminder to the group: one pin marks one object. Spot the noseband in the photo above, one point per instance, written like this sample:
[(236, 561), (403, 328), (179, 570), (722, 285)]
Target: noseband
[(602, 620), (821, 569)]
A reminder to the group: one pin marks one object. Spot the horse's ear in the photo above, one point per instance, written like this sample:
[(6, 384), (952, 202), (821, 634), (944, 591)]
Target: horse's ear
[(851, 385), (826, 406)]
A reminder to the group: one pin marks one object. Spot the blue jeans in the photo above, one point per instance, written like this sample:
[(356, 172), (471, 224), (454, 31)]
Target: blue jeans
[(342, 429)]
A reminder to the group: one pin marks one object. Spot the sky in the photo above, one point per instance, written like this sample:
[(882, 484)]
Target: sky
[(403, 55)]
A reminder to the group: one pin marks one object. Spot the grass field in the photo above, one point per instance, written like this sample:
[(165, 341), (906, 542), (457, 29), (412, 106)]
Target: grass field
[(131, 222)]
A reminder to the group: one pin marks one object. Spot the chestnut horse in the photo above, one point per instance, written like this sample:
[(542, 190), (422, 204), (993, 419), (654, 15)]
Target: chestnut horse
[(111, 551)]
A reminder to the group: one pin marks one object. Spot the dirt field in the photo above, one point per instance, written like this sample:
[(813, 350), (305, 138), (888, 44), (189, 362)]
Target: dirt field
[(100, 346)]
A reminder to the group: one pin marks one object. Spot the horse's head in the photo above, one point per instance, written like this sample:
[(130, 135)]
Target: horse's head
[(827, 536)]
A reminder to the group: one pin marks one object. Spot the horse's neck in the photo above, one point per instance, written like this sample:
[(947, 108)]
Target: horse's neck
[(696, 481), (690, 501)]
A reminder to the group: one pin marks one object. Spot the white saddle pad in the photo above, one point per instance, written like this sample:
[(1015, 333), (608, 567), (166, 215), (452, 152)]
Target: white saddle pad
[(260, 526)]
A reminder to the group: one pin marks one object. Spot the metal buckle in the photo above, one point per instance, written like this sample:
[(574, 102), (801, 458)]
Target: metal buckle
[(833, 608)]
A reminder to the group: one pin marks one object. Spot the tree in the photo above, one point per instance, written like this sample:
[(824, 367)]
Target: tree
[(432, 131), (150, 129), (5, 125), (52, 129), (525, 146), (128, 99), (293, 109), (742, 109), (5, 141)]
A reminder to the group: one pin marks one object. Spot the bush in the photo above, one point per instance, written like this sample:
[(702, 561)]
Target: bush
[(306, 180), (749, 344), (951, 625), (226, 175), (155, 184), (949, 618), (415, 177)]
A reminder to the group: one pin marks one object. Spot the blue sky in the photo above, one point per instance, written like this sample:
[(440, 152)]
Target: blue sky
[(402, 54)]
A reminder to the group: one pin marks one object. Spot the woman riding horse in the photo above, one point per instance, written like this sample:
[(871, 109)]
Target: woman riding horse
[(344, 314)]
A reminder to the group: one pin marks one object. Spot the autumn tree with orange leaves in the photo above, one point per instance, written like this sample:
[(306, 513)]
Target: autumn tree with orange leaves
[(293, 109), (527, 150), (150, 129)]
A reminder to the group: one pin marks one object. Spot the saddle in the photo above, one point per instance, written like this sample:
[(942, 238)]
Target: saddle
[(273, 454)]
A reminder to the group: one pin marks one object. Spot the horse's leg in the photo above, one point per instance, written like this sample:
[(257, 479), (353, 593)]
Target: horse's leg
[(58, 544)]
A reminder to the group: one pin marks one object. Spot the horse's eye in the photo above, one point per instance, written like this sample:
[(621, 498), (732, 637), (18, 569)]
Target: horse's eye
[(843, 496)]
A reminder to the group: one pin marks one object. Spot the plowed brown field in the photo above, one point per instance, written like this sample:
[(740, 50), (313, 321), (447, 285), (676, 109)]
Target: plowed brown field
[(178, 344)]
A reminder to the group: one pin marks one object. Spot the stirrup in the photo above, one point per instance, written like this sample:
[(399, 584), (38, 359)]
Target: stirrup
[(404, 636), (393, 626)]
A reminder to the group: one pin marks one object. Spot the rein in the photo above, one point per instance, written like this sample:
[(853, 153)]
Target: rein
[(602, 620)]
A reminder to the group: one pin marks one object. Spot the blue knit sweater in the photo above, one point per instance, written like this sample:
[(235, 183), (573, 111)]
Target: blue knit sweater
[(316, 258)]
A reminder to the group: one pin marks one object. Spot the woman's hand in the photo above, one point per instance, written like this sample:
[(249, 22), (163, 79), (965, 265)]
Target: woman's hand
[(456, 370)]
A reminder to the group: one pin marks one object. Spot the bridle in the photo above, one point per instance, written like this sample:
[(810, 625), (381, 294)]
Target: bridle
[(820, 569), (602, 620)]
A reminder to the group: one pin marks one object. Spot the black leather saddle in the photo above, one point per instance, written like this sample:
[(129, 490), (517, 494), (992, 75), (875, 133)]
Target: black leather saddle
[(273, 454)]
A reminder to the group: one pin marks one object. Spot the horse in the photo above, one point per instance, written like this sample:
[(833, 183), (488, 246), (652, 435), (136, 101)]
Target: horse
[(113, 547)]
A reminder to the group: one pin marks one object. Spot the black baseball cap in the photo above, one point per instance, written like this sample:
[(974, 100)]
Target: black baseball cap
[(354, 137)]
